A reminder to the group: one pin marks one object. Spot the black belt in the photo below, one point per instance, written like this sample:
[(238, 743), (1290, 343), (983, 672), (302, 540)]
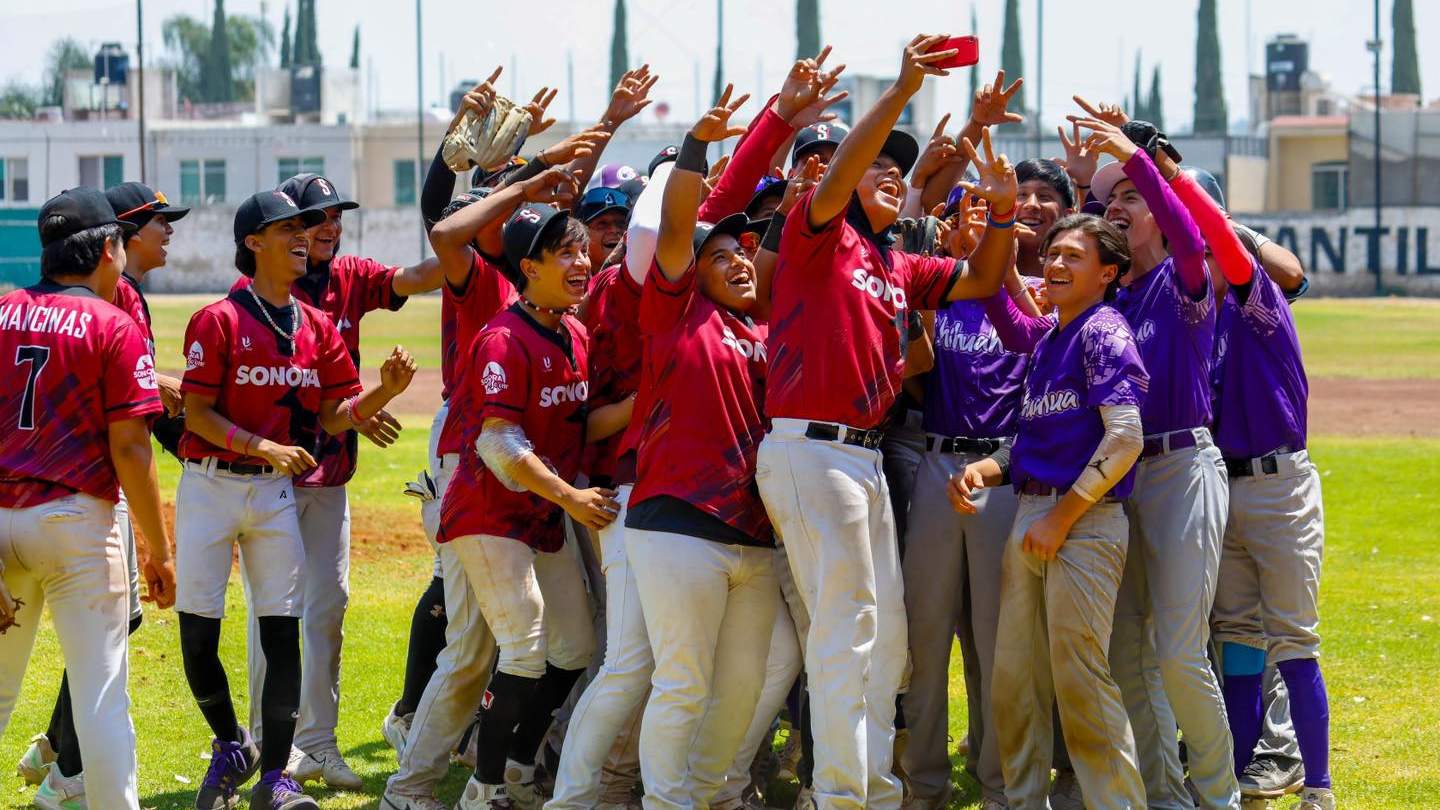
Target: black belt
[(1179, 440), (237, 468), (830, 432), (961, 444), (1244, 467)]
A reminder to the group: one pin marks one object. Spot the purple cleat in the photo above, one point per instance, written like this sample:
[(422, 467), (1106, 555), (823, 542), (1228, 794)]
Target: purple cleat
[(277, 791), (231, 765)]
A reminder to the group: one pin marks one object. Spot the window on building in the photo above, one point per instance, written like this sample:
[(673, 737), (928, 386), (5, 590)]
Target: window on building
[(202, 182), (14, 180), (405, 181), (1328, 182), (102, 171), (288, 167)]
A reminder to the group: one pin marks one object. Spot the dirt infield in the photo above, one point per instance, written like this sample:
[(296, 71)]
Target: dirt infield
[(1364, 407)]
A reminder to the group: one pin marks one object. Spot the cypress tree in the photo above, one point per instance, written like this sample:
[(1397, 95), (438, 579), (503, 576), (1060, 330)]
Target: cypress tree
[(1138, 108), (807, 28), (285, 40), (1012, 60), (355, 49), (619, 46), (1405, 67), (719, 51), (1211, 117), (1155, 107), (219, 83), (312, 42), (297, 48)]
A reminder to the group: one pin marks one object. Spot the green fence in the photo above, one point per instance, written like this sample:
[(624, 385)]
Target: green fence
[(19, 247)]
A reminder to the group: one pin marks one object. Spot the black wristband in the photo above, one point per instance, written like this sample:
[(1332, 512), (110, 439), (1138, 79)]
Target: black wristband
[(691, 157), (771, 240)]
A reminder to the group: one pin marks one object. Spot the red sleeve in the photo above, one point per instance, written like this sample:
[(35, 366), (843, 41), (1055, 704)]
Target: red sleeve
[(748, 164), (377, 284), (1235, 261), (207, 345), (128, 377), (927, 279), (663, 302), (500, 376), (338, 377), (802, 248)]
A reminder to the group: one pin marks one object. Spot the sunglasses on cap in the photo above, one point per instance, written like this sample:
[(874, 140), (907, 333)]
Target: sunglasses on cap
[(149, 206)]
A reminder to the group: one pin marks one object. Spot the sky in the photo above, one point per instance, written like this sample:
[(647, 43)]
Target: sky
[(1090, 46)]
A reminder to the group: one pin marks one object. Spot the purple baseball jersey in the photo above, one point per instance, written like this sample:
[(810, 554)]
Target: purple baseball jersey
[(1260, 385), (1176, 336), (1091, 362), (974, 389)]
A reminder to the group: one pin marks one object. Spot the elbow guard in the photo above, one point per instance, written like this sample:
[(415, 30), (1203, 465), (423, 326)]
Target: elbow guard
[(502, 446), (1116, 453)]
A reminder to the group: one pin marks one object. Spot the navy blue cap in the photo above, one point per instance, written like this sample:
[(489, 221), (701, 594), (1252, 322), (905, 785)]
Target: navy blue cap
[(314, 191), (602, 200), (825, 133), (266, 207), (767, 187)]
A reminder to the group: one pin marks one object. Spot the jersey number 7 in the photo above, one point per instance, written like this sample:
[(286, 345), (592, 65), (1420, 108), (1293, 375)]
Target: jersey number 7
[(37, 357)]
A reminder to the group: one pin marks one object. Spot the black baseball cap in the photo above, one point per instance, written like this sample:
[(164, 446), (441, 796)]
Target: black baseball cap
[(668, 154), (901, 147), (825, 133), (526, 227), (314, 191), (266, 207), (82, 208), (767, 187), (137, 203), (602, 200), (1149, 138), (733, 225)]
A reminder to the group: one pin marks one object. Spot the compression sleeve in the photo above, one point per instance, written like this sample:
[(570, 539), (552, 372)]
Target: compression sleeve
[(438, 189), (644, 229), (1235, 261), (502, 445), (1115, 454), (1018, 331), (1174, 221)]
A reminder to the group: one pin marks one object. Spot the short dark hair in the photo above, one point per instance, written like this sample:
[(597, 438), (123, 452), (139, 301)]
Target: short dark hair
[(1049, 173), (245, 260), (1114, 248), (77, 254), (551, 240)]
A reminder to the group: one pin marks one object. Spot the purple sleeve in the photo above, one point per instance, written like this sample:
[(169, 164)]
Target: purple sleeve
[(1018, 331), (1174, 220)]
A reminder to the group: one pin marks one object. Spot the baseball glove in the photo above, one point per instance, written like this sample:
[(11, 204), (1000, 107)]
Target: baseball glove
[(486, 142), (9, 605), (423, 487)]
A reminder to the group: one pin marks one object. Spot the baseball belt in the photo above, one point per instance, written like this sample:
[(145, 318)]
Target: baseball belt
[(486, 142)]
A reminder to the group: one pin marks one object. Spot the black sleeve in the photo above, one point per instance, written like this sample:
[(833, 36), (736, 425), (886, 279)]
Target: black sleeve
[(167, 430), (532, 168), (1002, 457), (438, 189)]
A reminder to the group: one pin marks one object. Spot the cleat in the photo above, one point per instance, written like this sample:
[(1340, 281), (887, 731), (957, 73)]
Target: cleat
[(231, 766), (277, 791)]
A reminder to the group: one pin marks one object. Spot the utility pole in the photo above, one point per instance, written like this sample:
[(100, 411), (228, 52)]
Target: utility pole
[(140, 78), (419, 113), (570, 85), (1039, 78), (1375, 49)]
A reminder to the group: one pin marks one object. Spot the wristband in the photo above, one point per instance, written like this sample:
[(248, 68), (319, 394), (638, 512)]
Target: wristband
[(990, 221), (691, 157), (771, 240), (230, 438), (246, 450), (1080, 185)]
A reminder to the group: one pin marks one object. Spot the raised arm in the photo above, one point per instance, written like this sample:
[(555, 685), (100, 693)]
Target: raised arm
[(1235, 261), (630, 96), (986, 267), (862, 145), (987, 108), (452, 237), (681, 204), (1018, 332)]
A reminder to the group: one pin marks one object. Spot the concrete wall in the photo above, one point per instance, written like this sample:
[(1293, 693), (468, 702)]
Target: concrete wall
[(1292, 156), (1340, 250)]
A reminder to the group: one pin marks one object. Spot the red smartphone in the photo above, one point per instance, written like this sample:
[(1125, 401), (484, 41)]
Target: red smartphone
[(967, 52)]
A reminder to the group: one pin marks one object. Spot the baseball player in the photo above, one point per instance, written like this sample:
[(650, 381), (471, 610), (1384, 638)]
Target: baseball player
[(1178, 505), (1266, 600), (144, 251), (1066, 555), (76, 434), (344, 287), (605, 212), (840, 296), (262, 372)]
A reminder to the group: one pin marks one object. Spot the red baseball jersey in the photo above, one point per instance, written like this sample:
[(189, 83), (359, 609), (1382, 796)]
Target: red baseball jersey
[(352, 287), (616, 349), (522, 372), (705, 417), (132, 302), (75, 363), (465, 312), (259, 380), (838, 318)]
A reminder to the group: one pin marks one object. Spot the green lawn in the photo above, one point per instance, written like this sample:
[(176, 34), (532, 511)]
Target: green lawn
[(1367, 337)]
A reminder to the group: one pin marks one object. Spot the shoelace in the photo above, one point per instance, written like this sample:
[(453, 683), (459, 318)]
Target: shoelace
[(284, 787), (226, 760)]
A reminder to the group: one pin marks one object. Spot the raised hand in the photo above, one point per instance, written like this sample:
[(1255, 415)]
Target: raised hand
[(801, 181), (631, 96), (1080, 161), (1110, 113), (714, 125), (716, 169), (397, 371), (537, 107), (940, 150), (582, 144), (803, 99), (996, 177), (916, 64), (988, 108), (1106, 137), (555, 186), (480, 98)]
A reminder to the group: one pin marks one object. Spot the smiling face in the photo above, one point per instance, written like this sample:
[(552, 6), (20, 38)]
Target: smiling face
[(325, 237), (882, 192), (1075, 278), (1037, 208), (281, 249), (559, 277), (726, 276), (146, 249), (606, 231), (1128, 212)]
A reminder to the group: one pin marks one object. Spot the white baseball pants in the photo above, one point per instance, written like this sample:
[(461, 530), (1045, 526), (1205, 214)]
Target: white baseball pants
[(69, 552), (710, 611), (132, 562), (831, 508)]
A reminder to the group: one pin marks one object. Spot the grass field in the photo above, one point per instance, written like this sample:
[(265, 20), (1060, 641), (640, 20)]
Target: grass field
[(1379, 600)]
